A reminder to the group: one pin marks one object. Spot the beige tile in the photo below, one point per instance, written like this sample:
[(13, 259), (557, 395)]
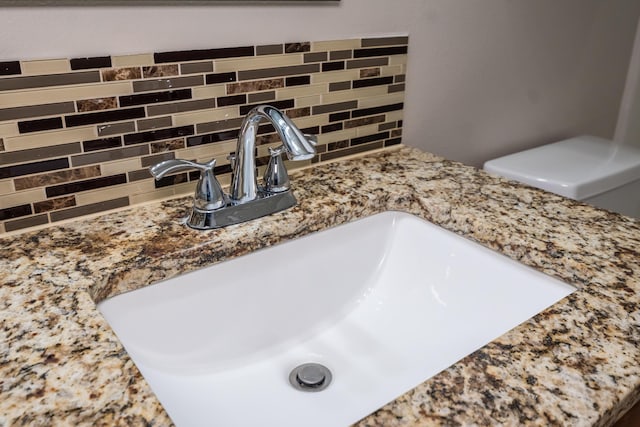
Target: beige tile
[(49, 66), (2, 229), (337, 136), (205, 116), (377, 101), (309, 121), (395, 115), (70, 93), (308, 101), (8, 129), (391, 70), (94, 196), (46, 139), (23, 197), (335, 45), (367, 130), (335, 76), (123, 166), (212, 91), (132, 60), (397, 59), (301, 91), (347, 95), (219, 150), (255, 63), (162, 193), (6, 186)]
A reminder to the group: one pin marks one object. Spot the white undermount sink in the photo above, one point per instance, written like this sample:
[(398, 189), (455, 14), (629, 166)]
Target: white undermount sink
[(385, 303)]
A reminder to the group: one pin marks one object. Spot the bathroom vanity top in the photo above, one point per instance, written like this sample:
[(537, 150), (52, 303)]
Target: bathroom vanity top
[(576, 363)]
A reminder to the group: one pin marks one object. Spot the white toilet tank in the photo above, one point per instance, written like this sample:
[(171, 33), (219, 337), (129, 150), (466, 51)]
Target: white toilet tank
[(586, 168)]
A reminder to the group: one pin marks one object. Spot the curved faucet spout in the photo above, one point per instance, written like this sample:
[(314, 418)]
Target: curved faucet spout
[(244, 186)]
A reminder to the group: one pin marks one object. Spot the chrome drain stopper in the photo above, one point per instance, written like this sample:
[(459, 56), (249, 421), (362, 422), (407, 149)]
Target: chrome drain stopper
[(310, 377)]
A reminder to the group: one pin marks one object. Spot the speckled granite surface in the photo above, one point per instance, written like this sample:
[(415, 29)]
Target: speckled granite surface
[(577, 363)]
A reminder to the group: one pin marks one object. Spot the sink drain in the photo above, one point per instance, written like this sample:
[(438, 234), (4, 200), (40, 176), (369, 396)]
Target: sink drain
[(310, 377)]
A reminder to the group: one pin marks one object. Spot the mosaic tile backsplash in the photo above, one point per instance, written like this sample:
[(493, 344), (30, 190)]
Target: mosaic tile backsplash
[(77, 135)]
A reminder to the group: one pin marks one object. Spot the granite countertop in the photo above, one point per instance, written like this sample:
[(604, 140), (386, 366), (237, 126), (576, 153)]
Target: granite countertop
[(576, 363)]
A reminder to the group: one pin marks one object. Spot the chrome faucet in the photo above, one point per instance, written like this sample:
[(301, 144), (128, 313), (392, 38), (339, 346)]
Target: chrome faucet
[(244, 186), (212, 208)]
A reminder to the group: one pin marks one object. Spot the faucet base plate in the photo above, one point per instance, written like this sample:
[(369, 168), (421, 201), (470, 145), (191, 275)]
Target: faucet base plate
[(265, 204)]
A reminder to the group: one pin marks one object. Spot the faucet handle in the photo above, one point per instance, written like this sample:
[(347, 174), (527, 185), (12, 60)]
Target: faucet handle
[(276, 178), (208, 195)]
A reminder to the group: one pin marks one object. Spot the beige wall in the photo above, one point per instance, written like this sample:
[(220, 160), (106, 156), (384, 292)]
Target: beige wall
[(628, 127), (485, 77)]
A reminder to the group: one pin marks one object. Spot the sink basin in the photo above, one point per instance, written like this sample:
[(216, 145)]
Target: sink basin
[(385, 303)]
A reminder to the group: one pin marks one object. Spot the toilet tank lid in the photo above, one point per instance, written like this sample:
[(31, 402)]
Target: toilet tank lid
[(578, 168)]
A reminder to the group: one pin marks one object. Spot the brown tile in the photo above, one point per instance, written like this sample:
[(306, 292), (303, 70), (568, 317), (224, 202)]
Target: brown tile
[(10, 67), (160, 71), (42, 166), (109, 155), (338, 145), (89, 209), (169, 145), (262, 96), (64, 79), (297, 47), (101, 144), (139, 175), (340, 54), (364, 122), (86, 185), (400, 78), (329, 108), (115, 128), (396, 88), (385, 41), (56, 177), (299, 112), (92, 62), (168, 83), (369, 62), (369, 72), (32, 221), (339, 86), (272, 49), (394, 141), (97, 104), (202, 54), (396, 133), (386, 126), (255, 86), (53, 204), (219, 125), (333, 127), (179, 107), (1, 144), (124, 73), (15, 212), (39, 153), (331, 155), (196, 67), (156, 123), (224, 101), (278, 71), (157, 158), (36, 111), (315, 57), (369, 138)]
